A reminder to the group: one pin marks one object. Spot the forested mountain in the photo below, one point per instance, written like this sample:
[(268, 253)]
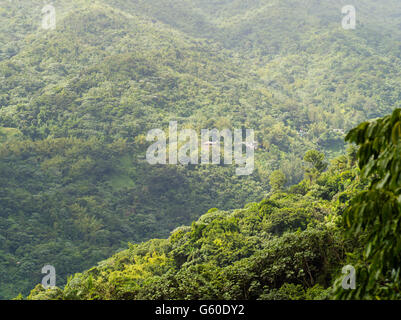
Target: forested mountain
[(289, 246), (77, 102)]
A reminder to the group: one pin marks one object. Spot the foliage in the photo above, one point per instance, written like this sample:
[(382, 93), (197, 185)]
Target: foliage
[(375, 213), (288, 246), (277, 180), (76, 104)]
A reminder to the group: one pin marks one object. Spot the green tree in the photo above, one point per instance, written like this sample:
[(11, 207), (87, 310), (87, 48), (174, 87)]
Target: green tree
[(375, 214), (277, 180), (316, 159), (317, 165)]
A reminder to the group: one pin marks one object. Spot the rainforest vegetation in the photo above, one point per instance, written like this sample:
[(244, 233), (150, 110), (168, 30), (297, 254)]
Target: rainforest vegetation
[(76, 192)]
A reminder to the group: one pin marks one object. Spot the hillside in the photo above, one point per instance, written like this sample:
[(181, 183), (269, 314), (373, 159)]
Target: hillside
[(289, 246), (77, 102)]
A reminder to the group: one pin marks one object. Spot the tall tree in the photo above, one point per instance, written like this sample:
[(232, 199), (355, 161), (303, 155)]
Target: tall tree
[(375, 214)]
